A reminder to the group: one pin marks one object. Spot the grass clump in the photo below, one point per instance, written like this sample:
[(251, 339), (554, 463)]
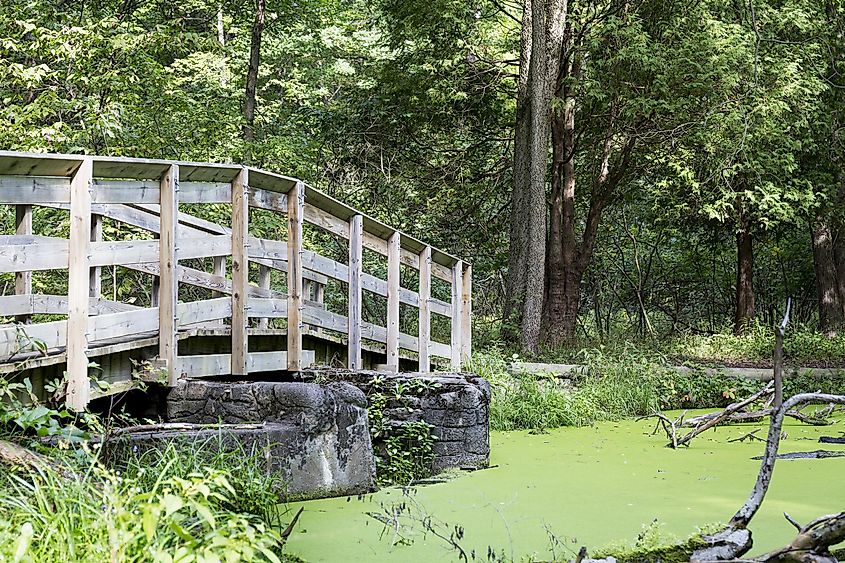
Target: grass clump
[(613, 385), (654, 544), (92, 513)]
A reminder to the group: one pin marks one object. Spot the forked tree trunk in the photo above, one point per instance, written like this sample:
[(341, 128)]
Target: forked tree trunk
[(827, 288), (745, 310), (528, 231)]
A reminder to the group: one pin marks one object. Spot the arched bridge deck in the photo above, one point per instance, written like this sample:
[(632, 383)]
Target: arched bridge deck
[(210, 269)]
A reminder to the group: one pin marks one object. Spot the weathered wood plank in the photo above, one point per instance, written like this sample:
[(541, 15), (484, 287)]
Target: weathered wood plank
[(127, 323), (425, 311), (23, 226), (264, 307), (240, 272), (21, 190), (39, 304), (269, 200), (36, 255), (205, 192), (78, 386), (457, 281), (203, 311), (168, 261), (393, 284), (354, 272), (296, 202), (211, 365), (112, 253), (33, 337), (126, 191), (325, 220)]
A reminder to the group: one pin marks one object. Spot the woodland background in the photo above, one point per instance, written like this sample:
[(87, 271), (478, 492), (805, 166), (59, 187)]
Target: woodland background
[(611, 168)]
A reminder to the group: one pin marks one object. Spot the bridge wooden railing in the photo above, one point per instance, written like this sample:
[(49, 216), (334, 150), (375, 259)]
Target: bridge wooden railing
[(147, 194)]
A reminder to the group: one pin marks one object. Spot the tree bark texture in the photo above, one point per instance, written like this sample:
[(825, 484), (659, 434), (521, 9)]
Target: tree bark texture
[(527, 284), (745, 309), (252, 72), (827, 288)]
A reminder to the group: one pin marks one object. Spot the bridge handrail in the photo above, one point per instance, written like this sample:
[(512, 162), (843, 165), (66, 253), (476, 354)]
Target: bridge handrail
[(147, 194)]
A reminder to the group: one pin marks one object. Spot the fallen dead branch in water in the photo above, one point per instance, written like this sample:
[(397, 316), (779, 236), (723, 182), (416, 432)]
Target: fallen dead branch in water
[(814, 540)]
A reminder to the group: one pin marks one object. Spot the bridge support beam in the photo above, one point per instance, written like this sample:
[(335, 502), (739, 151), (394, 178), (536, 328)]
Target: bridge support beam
[(393, 253), (168, 286), (356, 248), (78, 386), (240, 272), (466, 314), (457, 294), (23, 280), (296, 203), (425, 311)]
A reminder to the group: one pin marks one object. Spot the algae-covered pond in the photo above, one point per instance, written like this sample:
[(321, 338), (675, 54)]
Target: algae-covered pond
[(586, 486)]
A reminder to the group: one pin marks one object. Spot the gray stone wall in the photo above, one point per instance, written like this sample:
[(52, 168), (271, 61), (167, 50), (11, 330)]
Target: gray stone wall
[(456, 405), (317, 436)]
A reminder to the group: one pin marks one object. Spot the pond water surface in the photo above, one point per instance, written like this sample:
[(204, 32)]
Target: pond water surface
[(584, 486)]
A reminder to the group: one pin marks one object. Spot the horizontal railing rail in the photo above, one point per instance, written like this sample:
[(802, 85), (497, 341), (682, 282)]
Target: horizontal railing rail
[(146, 196)]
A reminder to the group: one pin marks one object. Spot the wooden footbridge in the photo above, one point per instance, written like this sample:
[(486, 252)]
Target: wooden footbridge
[(224, 280)]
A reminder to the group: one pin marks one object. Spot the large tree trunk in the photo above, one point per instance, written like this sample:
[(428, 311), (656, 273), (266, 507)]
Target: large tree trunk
[(745, 309), (512, 313), (546, 19), (827, 290), (252, 72)]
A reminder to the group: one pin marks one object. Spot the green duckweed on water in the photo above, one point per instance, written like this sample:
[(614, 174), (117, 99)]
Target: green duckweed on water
[(590, 486)]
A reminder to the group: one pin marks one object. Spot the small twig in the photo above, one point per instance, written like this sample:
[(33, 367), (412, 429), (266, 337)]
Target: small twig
[(792, 521), (749, 436)]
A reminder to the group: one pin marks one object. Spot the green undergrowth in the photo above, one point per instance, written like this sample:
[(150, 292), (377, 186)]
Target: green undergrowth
[(165, 507), (655, 544), (803, 346), (614, 386)]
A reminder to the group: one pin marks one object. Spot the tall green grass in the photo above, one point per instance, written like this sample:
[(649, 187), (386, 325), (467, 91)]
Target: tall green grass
[(170, 510), (614, 385)]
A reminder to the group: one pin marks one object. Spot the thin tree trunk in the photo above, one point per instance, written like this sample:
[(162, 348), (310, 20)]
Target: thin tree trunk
[(252, 72), (827, 291), (745, 309)]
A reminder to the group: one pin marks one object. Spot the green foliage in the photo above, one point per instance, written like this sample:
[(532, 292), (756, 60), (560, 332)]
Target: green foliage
[(405, 454), (403, 449), (253, 489), (613, 386), (654, 544), (89, 513)]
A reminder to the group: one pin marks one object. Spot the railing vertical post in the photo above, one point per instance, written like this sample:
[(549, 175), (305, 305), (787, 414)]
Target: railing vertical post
[(466, 314), (296, 203), (79, 388), (393, 249), (263, 283), (425, 310), (218, 269), (23, 280), (168, 284), (240, 272), (457, 279), (95, 284), (356, 248)]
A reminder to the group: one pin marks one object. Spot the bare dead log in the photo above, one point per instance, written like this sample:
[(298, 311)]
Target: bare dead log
[(749, 509), (816, 419), (730, 410), (17, 456)]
